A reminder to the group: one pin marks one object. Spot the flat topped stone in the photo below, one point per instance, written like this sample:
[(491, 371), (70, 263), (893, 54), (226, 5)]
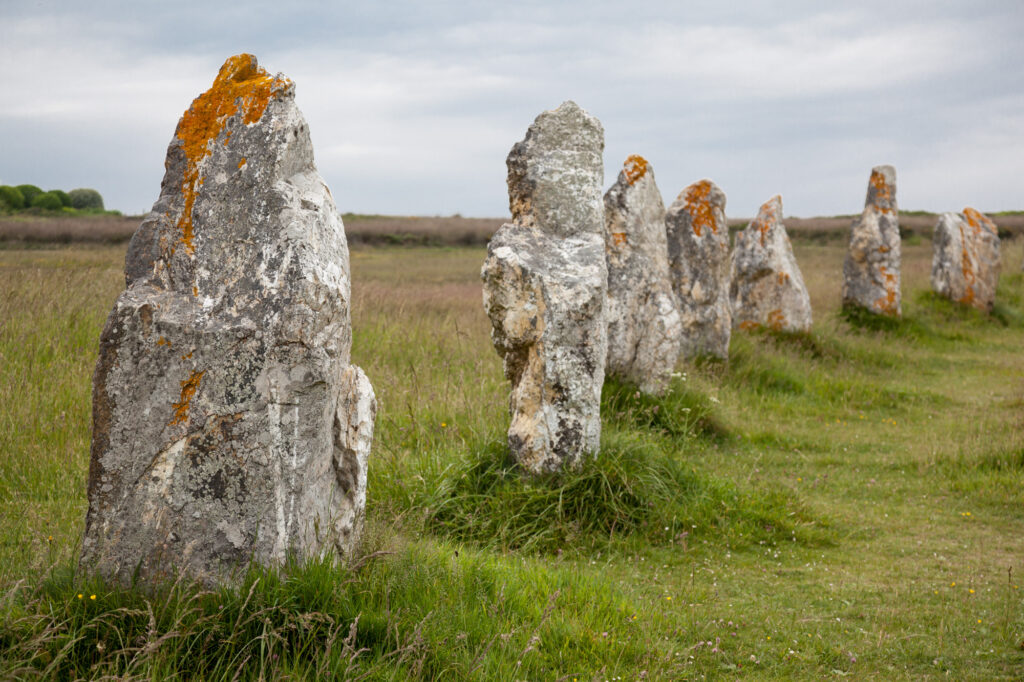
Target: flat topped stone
[(766, 288), (966, 259), (228, 424), (698, 248), (544, 291), (644, 325), (871, 272)]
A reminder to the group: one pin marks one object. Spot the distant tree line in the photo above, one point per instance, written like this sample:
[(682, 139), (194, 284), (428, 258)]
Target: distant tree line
[(26, 197)]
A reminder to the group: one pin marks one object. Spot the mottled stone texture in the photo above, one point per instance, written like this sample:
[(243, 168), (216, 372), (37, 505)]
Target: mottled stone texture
[(228, 423), (766, 287), (871, 272), (698, 250), (965, 258), (644, 325), (544, 290)]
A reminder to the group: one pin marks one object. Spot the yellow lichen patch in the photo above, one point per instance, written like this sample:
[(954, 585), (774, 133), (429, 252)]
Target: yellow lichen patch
[(188, 392), (776, 320), (241, 87), (635, 168), (883, 191), (619, 238), (698, 205)]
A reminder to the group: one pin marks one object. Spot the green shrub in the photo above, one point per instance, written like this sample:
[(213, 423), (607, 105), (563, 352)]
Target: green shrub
[(29, 192), (48, 201), (11, 198), (87, 199), (65, 199)]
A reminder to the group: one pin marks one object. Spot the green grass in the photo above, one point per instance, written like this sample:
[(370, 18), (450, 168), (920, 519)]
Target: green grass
[(843, 503)]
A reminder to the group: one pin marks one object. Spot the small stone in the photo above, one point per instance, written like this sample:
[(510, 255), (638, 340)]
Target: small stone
[(766, 288), (544, 284), (965, 259), (871, 272), (228, 423), (698, 250), (644, 325)]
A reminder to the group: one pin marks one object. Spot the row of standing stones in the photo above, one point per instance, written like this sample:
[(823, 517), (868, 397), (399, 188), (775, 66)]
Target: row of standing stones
[(577, 286), (229, 425)]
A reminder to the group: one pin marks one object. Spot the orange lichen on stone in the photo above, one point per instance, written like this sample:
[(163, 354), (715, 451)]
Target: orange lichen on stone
[(776, 320), (887, 303), (749, 325), (619, 238), (766, 215), (783, 278), (966, 266), (883, 192), (241, 87), (976, 219), (188, 392), (698, 205), (195, 291), (242, 162), (635, 168), (162, 342)]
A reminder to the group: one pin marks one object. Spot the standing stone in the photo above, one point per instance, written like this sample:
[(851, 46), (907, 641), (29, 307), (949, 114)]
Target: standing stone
[(644, 326), (545, 280), (871, 273), (698, 251), (965, 260), (766, 288), (228, 423)]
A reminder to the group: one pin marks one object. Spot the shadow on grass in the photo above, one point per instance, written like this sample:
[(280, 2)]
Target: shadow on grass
[(680, 412)]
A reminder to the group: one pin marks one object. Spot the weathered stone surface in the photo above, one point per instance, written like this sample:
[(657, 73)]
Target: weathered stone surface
[(644, 325), (965, 258), (545, 280), (228, 423), (698, 251), (871, 272), (766, 287)]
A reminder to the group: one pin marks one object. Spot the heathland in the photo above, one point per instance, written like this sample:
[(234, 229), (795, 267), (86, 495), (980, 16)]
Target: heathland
[(845, 503)]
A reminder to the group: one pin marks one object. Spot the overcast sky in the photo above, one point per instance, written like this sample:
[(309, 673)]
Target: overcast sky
[(413, 106)]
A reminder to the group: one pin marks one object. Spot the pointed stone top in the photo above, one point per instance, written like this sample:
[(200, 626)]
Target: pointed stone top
[(882, 189), (701, 199), (556, 172), (241, 87), (635, 168), (978, 220), (768, 217)]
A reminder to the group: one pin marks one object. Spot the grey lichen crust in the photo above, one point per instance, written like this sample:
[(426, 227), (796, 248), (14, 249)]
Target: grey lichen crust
[(698, 251), (544, 283), (965, 258), (644, 325), (871, 272), (228, 423), (766, 287)]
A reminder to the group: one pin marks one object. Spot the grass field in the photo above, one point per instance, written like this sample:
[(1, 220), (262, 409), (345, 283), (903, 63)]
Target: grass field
[(848, 503)]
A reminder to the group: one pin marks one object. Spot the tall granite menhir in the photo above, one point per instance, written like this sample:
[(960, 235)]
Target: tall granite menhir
[(766, 287), (644, 326), (698, 250), (871, 272), (544, 283), (228, 423), (965, 259)]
